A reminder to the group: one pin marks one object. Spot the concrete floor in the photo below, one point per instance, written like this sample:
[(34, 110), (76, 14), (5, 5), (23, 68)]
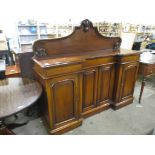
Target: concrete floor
[(130, 120)]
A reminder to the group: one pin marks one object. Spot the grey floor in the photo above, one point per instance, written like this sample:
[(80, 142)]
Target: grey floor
[(133, 119)]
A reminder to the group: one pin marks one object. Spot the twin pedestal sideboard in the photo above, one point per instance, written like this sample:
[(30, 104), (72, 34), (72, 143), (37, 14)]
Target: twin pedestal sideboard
[(83, 74)]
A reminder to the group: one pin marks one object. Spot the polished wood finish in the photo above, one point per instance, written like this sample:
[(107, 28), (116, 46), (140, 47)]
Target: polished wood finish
[(89, 90), (146, 69), (17, 94), (79, 41), (83, 74), (106, 80), (126, 83), (12, 71), (64, 108)]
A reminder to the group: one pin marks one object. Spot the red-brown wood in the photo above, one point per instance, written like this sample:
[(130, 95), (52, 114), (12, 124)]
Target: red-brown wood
[(106, 80), (12, 71), (90, 78), (79, 41), (83, 74)]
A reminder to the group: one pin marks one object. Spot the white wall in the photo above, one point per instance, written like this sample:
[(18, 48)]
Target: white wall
[(112, 10), (133, 11)]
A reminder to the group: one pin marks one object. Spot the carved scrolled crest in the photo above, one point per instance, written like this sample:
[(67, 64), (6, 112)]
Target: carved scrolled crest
[(117, 45), (86, 24), (40, 52)]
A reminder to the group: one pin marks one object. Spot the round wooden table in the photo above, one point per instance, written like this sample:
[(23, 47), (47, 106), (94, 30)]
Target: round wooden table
[(16, 94)]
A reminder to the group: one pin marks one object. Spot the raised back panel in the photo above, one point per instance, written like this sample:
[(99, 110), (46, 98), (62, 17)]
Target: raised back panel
[(85, 38)]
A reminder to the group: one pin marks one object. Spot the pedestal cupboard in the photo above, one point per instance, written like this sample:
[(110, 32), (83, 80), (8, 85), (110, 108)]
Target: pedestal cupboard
[(83, 74)]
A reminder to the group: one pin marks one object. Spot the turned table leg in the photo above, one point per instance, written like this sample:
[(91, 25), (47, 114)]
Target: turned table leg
[(142, 88)]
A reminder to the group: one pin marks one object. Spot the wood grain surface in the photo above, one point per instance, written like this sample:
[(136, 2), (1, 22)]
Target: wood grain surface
[(12, 71), (82, 75), (17, 94)]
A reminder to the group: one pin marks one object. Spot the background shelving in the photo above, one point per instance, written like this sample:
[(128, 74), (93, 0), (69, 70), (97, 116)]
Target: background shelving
[(31, 30), (27, 32), (110, 29)]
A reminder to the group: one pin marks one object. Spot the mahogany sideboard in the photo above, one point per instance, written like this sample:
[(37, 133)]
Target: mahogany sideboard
[(83, 74)]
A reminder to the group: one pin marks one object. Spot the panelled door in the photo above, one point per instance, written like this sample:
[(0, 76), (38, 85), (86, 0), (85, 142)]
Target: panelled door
[(64, 100), (89, 89), (129, 74), (105, 83)]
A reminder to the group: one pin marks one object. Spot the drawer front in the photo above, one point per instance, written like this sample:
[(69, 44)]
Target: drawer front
[(130, 58), (62, 70), (98, 61)]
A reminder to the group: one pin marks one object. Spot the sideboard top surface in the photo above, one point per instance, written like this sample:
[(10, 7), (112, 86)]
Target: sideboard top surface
[(64, 59)]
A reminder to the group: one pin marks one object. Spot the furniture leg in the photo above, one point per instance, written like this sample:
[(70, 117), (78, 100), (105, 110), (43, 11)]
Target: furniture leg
[(142, 88), (4, 130)]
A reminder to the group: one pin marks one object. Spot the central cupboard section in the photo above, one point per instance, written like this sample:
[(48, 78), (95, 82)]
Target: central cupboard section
[(97, 87), (80, 94)]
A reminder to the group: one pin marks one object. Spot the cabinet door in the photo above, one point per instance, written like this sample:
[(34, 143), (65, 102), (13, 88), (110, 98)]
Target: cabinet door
[(129, 74), (105, 83), (64, 100), (89, 89)]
